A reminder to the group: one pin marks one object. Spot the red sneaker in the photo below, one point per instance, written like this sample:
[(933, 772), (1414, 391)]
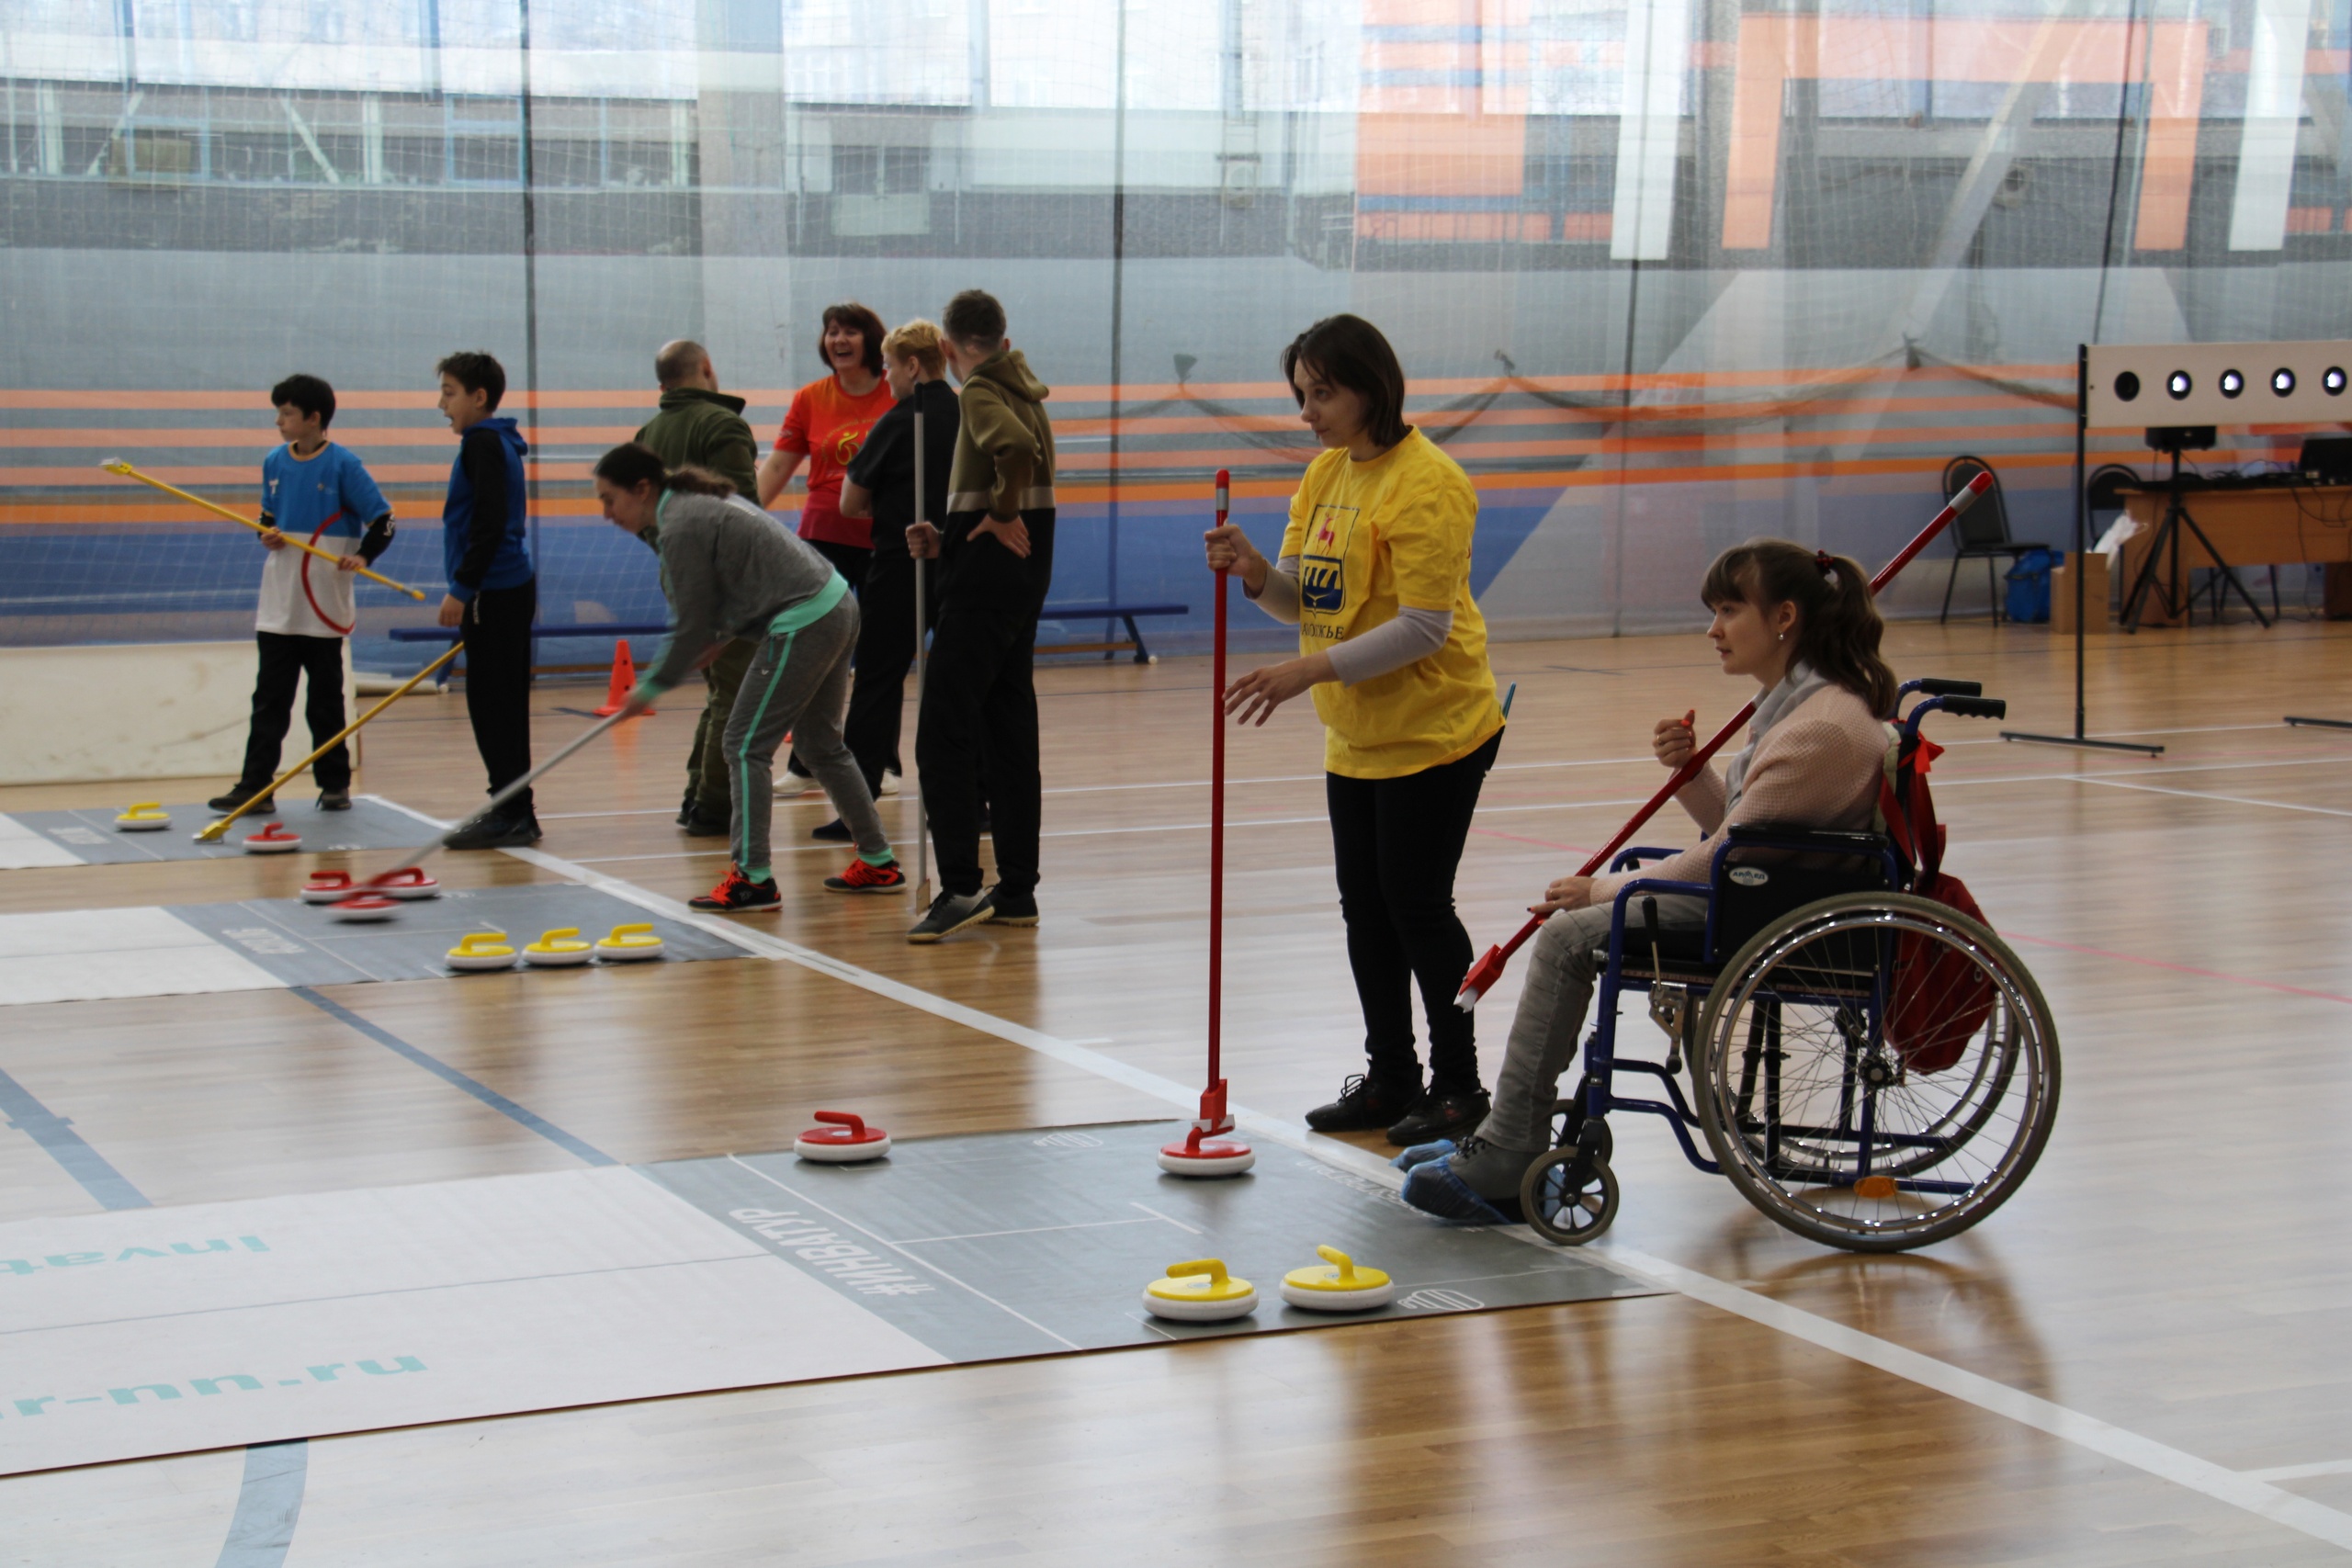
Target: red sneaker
[(737, 892), (862, 878)]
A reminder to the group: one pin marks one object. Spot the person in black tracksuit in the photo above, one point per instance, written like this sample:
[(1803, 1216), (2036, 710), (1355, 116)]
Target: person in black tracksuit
[(494, 591), (880, 486), (979, 725)]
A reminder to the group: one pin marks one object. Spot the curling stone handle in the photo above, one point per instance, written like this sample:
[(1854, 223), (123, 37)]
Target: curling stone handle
[(856, 1125), (620, 931), (560, 933), (1339, 1261), (1213, 1266)]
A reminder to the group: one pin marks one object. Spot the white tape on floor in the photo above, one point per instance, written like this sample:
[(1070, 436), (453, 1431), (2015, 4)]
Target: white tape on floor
[(21, 848), (166, 1330), (96, 955)]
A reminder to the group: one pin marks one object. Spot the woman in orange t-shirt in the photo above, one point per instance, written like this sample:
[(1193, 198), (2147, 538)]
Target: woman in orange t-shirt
[(827, 425)]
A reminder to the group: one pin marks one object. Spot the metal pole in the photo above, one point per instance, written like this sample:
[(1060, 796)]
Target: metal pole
[(923, 625), (2082, 601)]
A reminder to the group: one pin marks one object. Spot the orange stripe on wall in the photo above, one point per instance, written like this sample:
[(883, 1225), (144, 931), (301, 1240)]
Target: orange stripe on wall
[(2177, 83), (1754, 166)]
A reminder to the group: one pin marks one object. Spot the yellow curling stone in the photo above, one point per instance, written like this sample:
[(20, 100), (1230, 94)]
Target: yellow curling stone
[(147, 817), (630, 944), (559, 949), (1199, 1291), (481, 950), (1336, 1285)]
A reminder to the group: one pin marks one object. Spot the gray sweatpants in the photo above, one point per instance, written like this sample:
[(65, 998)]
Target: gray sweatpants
[(798, 684), (1564, 964)]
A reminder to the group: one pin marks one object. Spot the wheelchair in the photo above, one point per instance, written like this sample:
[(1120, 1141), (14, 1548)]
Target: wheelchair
[(1873, 1069)]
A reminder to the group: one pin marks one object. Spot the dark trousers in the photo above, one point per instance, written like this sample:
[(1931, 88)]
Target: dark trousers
[(283, 660), (1396, 843), (497, 630), (979, 735), (885, 651), (848, 559)]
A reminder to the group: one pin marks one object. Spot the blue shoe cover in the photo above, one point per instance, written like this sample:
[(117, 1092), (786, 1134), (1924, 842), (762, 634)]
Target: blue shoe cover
[(1433, 1188), (1421, 1153)]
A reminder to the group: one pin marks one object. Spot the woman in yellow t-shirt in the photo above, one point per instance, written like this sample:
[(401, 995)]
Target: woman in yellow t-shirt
[(1374, 570)]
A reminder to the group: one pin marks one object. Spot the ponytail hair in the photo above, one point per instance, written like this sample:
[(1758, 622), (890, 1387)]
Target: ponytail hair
[(630, 465), (1838, 627)]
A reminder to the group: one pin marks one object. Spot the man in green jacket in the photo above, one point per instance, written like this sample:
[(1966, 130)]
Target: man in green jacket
[(703, 427)]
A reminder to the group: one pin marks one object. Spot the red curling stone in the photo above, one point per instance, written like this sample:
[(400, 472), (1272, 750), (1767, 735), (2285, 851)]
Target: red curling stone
[(1197, 1156), (274, 839), (363, 906), (328, 888), (841, 1139)]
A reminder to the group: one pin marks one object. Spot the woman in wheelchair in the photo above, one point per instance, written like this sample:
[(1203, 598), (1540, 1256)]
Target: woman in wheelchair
[(1801, 624)]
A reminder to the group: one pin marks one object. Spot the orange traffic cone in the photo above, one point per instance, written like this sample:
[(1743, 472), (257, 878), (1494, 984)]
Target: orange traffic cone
[(624, 681)]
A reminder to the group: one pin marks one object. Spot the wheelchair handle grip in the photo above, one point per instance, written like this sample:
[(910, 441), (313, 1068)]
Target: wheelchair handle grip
[(1975, 707)]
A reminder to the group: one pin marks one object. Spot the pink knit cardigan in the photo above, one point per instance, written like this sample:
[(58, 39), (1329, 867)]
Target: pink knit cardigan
[(1819, 767)]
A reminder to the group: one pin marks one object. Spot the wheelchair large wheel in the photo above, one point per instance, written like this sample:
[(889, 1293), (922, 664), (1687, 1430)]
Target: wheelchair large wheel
[(1824, 1123)]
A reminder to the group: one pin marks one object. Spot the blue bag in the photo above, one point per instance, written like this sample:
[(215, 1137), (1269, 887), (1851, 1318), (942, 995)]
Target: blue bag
[(2028, 579)]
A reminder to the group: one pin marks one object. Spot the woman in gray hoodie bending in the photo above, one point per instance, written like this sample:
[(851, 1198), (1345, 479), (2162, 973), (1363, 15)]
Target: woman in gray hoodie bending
[(729, 569)]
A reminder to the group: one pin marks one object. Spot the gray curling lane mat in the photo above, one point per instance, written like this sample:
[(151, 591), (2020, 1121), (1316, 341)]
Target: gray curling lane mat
[(303, 944), (90, 836), (1024, 1244)]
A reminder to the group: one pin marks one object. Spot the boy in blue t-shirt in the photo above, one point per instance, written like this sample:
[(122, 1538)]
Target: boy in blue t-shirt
[(320, 494)]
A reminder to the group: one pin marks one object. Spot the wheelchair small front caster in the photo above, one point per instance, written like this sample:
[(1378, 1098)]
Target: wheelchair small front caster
[(1569, 1197)]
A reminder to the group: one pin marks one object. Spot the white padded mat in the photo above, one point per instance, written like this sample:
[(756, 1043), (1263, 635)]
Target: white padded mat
[(155, 1331)]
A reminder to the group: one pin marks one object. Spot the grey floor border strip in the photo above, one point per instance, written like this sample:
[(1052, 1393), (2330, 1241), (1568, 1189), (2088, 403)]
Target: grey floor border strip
[(578, 1147), (66, 1146), (269, 1505)]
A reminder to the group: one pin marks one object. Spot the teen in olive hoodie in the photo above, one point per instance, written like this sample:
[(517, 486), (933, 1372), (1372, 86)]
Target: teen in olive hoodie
[(703, 427), (979, 702)]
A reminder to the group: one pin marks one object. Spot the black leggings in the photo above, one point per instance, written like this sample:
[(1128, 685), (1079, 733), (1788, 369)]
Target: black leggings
[(1396, 843)]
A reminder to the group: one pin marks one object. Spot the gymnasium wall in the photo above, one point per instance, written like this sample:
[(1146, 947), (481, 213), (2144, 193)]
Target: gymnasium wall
[(1664, 274)]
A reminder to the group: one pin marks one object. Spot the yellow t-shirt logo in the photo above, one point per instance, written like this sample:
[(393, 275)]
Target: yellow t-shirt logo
[(1322, 567)]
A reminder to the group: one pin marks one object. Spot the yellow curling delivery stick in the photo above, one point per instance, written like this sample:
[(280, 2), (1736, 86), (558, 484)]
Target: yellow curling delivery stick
[(117, 466)]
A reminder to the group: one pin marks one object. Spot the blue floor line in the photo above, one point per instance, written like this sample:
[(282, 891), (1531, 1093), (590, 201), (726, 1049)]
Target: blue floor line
[(56, 1133), (579, 1147), (268, 1504)]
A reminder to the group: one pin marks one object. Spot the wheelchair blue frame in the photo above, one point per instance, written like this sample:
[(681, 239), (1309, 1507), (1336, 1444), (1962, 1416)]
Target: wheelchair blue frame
[(1601, 1062)]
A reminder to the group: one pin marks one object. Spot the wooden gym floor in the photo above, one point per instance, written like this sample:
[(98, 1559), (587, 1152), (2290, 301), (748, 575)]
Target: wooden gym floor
[(2139, 1361)]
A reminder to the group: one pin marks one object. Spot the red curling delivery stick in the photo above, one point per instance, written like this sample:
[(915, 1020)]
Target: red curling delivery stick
[(1489, 969)]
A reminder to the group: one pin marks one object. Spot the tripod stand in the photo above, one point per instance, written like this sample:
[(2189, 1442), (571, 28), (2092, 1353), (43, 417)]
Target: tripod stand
[(2172, 592)]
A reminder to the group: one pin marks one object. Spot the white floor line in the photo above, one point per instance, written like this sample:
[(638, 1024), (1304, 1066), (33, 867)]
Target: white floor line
[(920, 1263), (1030, 1230), (2160, 769), (1156, 1214), (2300, 1472), (2202, 1476), (2248, 1491), (2208, 794)]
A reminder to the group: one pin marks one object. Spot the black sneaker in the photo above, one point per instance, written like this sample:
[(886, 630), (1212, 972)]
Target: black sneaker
[(737, 892), (1440, 1114), (833, 833), (334, 800), (1364, 1106), (700, 827), (500, 830), (687, 809), (950, 913), (236, 797), (1012, 909)]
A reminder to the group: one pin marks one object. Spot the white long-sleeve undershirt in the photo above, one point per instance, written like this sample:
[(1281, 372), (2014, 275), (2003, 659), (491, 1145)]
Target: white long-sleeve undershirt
[(1413, 634)]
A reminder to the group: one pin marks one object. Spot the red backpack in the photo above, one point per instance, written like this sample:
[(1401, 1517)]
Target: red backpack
[(1940, 999)]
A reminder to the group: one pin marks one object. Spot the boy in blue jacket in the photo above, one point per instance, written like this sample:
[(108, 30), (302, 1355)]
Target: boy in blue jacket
[(493, 594)]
